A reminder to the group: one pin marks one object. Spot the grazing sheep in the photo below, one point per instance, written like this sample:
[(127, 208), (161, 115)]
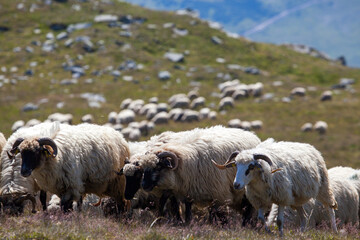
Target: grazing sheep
[(307, 127), (87, 118), (32, 122), (256, 124), (71, 161), (179, 101), (112, 117), (226, 102), (234, 123), (302, 176), (197, 102), (125, 103), (161, 118), (321, 127), (62, 118), (326, 96), (17, 125), (190, 116), (345, 194), (298, 91), (14, 188), (139, 198), (180, 163), (126, 116)]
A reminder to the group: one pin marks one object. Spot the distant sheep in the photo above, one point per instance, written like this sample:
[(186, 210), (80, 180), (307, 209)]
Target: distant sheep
[(345, 194), (298, 91), (326, 96), (321, 127), (302, 176), (307, 127), (71, 161), (226, 102)]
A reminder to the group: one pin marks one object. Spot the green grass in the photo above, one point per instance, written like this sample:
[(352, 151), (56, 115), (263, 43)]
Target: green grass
[(340, 146)]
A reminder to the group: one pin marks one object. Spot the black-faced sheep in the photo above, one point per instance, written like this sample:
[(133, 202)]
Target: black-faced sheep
[(74, 160), (14, 188), (180, 163), (303, 176)]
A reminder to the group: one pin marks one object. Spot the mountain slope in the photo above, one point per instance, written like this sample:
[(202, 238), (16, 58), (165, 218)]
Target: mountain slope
[(103, 54)]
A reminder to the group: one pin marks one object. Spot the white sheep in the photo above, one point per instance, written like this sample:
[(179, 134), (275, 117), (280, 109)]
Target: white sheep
[(321, 127), (346, 196), (71, 161), (180, 163), (2, 141), (302, 176)]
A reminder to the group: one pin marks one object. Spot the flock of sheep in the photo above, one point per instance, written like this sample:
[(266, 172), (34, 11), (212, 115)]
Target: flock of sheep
[(176, 171)]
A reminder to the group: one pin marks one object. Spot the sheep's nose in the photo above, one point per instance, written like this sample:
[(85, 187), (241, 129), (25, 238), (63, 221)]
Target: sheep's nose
[(236, 185)]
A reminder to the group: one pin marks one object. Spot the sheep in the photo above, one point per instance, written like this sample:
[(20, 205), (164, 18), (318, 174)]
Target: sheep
[(180, 163), (179, 101), (126, 116), (321, 127), (87, 118), (139, 198), (161, 118), (190, 116), (326, 96), (62, 118), (298, 91), (15, 189), (303, 175), (197, 102), (17, 125), (2, 141), (125, 103), (345, 194), (112, 116), (226, 102), (307, 127), (71, 161)]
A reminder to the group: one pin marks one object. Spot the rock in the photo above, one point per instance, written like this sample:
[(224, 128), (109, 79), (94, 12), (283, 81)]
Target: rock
[(180, 31), (174, 57), (164, 75), (58, 26), (216, 40), (78, 26), (62, 36), (105, 18), (4, 29), (30, 107)]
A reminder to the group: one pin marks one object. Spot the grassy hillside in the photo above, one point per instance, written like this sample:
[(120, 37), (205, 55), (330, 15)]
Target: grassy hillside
[(147, 46)]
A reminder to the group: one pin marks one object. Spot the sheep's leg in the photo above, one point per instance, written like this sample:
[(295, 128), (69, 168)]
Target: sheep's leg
[(261, 217), (248, 213), (188, 215), (175, 208), (43, 199), (162, 201), (79, 204), (332, 219), (303, 217), (280, 220), (66, 202)]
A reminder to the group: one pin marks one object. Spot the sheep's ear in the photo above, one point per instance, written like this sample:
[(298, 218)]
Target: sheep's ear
[(49, 152)]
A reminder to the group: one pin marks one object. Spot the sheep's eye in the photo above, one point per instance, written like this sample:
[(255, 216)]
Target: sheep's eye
[(251, 167)]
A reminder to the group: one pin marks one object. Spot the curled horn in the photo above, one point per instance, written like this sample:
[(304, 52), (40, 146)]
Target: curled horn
[(171, 155), (263, 157), (50, 142), (229, 163), (15, 149)]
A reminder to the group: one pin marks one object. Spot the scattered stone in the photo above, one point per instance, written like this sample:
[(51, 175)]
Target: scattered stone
[(216, 40), (105, 18), (180, 31), (174, 57), (58, 26), (164, 75), (30, 107)]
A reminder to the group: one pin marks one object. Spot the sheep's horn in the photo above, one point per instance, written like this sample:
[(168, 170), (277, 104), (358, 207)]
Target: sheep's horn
[(15, 149), (50, 142), (224, 166), (174, 158), (263, 157), (233, 155)]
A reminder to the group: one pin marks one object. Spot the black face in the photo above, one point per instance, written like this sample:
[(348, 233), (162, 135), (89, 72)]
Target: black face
[(251, 167), (30, 161), (133, 184), (151, 178), (12, 207)]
